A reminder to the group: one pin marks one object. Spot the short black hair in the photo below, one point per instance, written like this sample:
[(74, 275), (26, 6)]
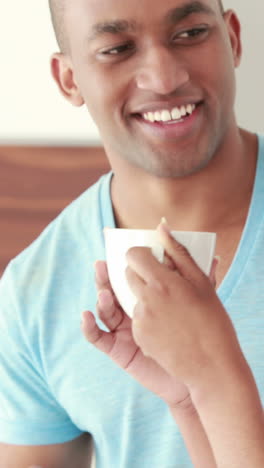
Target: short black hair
[(57, 10)]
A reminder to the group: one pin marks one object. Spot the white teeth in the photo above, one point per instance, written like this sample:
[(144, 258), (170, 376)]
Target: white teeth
[(157, 116), (166, 116), (189, 108), (176, 113), (183, 111), (151, 117)]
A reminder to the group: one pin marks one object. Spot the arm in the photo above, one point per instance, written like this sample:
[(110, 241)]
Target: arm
[(194, 436), (77, 453), (120, 346), (181, 324), (229, 421), (232, 414)]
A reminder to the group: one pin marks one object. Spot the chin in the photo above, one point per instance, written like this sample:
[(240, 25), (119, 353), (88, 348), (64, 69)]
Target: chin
[(167, 166)]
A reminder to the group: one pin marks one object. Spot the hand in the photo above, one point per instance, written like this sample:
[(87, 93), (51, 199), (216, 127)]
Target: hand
[(120, 346), (179, 321)]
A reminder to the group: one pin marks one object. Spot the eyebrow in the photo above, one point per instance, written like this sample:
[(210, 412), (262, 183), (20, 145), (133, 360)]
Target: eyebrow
[(174, 16), (179, 13), (112, 27)]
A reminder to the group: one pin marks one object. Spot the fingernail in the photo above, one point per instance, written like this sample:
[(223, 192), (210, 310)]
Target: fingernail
[(95, 265), (163, 226), (217, 258), (98, 262), (100, 270), (83, 319), (105, 298)]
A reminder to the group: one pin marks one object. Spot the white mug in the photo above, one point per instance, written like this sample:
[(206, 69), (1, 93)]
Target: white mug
[(201, 246)]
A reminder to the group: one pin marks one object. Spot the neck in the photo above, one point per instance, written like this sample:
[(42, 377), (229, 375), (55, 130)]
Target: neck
[(218, 195)]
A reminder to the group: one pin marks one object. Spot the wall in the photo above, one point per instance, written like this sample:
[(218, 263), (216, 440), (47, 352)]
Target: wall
[(31, 109)]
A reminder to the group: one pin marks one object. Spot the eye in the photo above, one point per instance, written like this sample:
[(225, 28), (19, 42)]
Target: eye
[(191, 35), (118, 50)]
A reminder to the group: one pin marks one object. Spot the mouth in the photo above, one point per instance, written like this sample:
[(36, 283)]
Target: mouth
[(173, 116), (167, 124)]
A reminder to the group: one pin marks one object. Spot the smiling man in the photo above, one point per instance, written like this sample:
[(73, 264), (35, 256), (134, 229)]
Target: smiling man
[(181, 384)]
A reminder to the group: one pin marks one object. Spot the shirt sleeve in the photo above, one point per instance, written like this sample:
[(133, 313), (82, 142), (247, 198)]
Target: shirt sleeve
[(29, 412)]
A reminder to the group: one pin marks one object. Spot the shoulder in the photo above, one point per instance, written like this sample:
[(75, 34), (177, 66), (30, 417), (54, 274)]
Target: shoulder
[(63, 252), (80, 220)]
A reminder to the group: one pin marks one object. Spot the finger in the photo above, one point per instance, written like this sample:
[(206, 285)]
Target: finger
[(102, 279), (148, 268), (109, 313), (167, 260), (184, 263), (102, 340), (136, 283), (101, 275), (141, 310), (212, 275)]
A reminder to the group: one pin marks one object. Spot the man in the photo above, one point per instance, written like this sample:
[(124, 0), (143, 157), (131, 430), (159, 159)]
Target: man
[(158, 79)]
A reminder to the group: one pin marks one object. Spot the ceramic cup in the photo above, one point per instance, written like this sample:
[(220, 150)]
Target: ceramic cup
[(201, 246)]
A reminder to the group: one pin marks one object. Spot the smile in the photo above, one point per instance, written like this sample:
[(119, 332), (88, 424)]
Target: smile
[(170, 123), (175, 115)]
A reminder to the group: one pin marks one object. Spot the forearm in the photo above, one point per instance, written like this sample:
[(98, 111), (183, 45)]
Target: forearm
[(194, 436), (77, 453), (231, 413)]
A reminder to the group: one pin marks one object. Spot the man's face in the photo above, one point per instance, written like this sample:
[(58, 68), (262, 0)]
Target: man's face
[(157, 78)]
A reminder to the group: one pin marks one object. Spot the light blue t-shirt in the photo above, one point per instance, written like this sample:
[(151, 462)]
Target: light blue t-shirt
[(55, 386)]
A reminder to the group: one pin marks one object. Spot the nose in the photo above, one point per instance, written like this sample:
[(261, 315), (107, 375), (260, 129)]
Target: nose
[(161, 71)]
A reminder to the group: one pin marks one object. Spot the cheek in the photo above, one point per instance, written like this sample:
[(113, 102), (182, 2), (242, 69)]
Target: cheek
[(225, 77), (219, 87), (105, 90), (215, 69), (96, 92), (226, 88)]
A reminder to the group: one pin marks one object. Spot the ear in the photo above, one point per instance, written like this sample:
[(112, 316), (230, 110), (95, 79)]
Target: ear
[(234, 32), (62, 72)]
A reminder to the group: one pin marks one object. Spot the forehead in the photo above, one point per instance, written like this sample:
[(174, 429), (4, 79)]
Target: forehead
[(87, 20), (92, 11)]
